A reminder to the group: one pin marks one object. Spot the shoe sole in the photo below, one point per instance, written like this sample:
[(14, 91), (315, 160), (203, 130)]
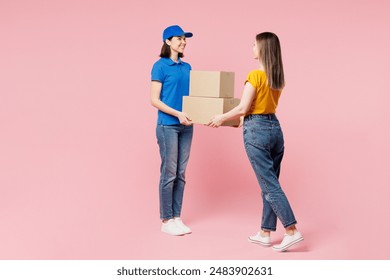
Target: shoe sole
[(182, 234), (186, 232), (288, 245), (259, 243), (170, 233)]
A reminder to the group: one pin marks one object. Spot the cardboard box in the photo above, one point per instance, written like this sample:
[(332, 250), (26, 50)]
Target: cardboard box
[(202, 109), (212, 84)]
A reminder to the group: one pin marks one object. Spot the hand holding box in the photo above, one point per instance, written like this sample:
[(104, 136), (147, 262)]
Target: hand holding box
[(211, 93)]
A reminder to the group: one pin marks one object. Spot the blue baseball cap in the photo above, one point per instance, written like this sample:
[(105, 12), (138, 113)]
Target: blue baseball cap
[(174, 30)]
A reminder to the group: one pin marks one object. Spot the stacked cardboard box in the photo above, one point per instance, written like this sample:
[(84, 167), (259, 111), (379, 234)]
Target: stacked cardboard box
[(211, 93)]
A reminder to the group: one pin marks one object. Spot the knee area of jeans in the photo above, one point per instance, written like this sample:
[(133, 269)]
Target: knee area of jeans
[(181, 170), (273, 196), (167, 184), (169, 172), (274, 191)]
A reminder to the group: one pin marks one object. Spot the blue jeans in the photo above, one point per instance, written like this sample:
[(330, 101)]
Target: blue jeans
[(175, 145), (264, 145)]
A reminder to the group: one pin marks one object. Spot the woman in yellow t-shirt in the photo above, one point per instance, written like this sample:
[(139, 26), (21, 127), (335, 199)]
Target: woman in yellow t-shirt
[(263, 139)]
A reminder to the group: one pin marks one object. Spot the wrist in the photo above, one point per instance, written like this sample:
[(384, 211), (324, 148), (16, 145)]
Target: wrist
[(177, 114)]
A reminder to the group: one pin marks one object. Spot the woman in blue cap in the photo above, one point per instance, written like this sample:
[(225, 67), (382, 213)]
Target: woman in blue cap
[(170, 82)]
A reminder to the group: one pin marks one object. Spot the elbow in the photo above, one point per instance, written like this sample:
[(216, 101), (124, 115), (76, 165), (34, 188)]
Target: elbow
[(242, 111), (153, 102)]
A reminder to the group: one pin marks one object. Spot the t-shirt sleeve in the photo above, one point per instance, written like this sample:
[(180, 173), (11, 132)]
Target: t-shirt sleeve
[(253, 79), (157, 73)]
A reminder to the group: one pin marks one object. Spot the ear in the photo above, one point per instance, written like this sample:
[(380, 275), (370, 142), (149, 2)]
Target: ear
[(168, 42)]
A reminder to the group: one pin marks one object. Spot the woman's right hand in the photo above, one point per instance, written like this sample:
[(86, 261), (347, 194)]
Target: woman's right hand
[(184, 119)]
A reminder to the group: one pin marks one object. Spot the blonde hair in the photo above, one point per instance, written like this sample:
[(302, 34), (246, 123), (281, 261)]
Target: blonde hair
[(270, 55)]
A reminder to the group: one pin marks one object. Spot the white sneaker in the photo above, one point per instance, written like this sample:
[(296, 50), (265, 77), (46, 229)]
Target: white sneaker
[(171, 228), (182, 226), (261, 240), (288, 241)]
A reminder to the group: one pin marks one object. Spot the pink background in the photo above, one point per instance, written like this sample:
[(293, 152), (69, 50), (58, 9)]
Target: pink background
[(79, 162)]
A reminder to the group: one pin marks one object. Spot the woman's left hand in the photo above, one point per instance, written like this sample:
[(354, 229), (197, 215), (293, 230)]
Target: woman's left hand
[(216, 121), (241, 122)]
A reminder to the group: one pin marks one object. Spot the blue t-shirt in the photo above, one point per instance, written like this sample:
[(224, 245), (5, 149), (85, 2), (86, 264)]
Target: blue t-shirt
[(175, 79)]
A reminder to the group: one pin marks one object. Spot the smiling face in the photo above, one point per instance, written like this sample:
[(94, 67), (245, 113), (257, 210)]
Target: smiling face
[(177, 43)]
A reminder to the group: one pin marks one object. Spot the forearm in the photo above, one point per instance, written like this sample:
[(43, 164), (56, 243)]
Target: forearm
[(235, 113), (164, 108), (243, 107)]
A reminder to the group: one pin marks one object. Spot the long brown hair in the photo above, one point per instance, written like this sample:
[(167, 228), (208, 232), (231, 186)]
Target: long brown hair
[(166, 50), (270, 55)]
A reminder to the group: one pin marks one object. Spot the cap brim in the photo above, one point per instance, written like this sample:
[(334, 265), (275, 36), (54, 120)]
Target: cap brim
[(188, 34)]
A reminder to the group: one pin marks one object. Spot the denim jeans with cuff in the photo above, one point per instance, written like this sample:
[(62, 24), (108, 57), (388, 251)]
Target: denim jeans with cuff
[(264, 145), (175, 145)]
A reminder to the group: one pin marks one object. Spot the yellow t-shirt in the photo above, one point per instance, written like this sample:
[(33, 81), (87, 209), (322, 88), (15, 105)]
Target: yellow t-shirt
[(266, 99)]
